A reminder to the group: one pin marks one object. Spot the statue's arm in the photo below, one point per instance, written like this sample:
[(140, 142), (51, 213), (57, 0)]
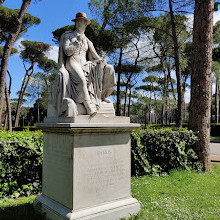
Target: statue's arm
[(92, 52), (70, 45)]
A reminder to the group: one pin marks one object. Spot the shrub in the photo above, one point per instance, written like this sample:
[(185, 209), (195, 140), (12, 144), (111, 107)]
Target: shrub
[(159, 151), (20, 163), (30, 128)]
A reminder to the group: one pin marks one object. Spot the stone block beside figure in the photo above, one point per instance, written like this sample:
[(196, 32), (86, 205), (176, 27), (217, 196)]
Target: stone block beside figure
[(82, 85)]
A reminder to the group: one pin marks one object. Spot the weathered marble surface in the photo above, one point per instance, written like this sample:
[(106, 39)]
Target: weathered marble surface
[(86, 158), (84, 79), (86, 171)]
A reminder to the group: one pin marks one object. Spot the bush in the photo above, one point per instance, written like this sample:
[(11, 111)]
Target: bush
[(154, 151), (20, 163), (30, 128), (159, 151)]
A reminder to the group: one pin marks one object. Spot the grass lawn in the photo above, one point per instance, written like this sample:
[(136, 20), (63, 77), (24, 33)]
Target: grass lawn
[(18, 209), (215, 138), (181, 195)]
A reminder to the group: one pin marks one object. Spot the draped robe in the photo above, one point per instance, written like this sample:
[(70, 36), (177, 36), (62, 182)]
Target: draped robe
[(66, 86)]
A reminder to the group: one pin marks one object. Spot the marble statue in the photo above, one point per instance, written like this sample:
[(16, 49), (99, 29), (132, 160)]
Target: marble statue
[(84, 80)]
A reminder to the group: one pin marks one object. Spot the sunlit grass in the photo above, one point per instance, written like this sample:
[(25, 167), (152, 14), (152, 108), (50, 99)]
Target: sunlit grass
[(181, 195), (18, 209), (215, 138)]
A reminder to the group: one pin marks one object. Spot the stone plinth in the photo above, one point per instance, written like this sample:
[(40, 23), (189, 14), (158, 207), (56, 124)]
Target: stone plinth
[(86, 169)]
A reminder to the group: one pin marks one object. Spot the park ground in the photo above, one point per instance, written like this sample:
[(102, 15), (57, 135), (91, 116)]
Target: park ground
[(180, 195)]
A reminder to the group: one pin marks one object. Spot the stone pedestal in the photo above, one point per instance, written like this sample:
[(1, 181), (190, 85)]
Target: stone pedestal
[(86, 169)]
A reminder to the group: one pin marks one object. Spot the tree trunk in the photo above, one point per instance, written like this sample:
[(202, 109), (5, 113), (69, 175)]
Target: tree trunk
[(165, 96), (1, 2), (118, 103), (184, 104), (125, 103), (129, 103), (8, 118), (201, 78), (179, 120), (150, 119), (171, 82), (217, 102), (145, 116), (7, 51), (20, 99), (6, 121), (22, 92)]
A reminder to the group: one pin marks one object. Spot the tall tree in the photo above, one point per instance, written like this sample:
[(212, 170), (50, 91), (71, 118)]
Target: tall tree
[(8, 119), (165, 33), (201, 78), (179, 117), (129, 74), (115, 15), (39, 84), (32, 53), (152, 87), (8, 47), (8, 21)]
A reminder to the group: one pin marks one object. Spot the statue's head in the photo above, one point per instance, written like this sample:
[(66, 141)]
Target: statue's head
[(81, 16)]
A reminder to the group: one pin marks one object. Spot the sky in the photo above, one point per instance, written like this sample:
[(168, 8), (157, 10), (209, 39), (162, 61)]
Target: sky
[(53, 15)]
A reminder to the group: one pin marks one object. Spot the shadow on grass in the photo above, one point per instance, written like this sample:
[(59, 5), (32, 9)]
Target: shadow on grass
[(20, 212)]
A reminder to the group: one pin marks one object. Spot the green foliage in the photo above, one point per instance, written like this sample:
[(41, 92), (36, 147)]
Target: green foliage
[(58, 32), (32, 116), (181, 195), (116, 12), (34, 51), (13, 51), (8, 21), (216, 71), (161, 150), (153, 84), (103, 40), (20, 163), (23, 207), (129, 68), (47, 65), (162, 43), (215, 139), (216, 32), (216, 54)]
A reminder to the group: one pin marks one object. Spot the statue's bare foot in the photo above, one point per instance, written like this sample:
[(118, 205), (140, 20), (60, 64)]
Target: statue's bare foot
[(106, 100), (92, 112), (89, 108)]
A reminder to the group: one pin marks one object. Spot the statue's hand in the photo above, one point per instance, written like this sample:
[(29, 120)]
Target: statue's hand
[(104, 62), (74, 42), (80, 37), (101, 60)]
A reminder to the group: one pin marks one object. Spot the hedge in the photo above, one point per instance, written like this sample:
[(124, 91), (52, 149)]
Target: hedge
[(159, 151), (154, 151), (20, 163)]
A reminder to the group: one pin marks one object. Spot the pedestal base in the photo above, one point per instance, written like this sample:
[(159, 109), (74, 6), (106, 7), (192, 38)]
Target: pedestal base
[(87, 169), (110, 211)]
